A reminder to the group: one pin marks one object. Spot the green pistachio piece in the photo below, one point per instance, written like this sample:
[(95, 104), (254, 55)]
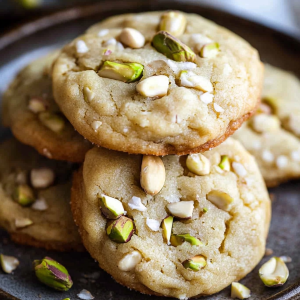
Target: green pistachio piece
[(24, 195), (225, 163), (239, 291), (179, 239), (205, 209), (220, 199), (167, 224), (126, 72), (52, 121), (195, 263), (209, 50), (111, 208), (120, 230), (172, 47), (274, 272), (52, 274), (8, 263)]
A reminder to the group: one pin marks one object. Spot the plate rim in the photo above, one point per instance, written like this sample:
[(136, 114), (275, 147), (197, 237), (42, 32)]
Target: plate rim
[(62, 16)]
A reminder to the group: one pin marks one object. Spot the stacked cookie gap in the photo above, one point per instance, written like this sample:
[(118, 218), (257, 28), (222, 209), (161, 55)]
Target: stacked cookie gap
[(143, 106)]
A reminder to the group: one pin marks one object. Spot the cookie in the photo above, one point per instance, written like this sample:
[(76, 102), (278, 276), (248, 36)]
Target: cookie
[(130, 85), (34, 199), (219, 229), (272, 135), (35, 119)]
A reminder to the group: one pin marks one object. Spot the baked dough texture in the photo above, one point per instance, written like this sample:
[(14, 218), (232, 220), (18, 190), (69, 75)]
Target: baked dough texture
[(34, 82), (276, 150), (53, 228), (234, 240), (180, 122)]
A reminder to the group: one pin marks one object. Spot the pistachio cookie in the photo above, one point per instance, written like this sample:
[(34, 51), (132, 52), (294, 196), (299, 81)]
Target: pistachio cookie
[(273, 134), (173, 226), (34, 117), (157, 83), (34, 199)]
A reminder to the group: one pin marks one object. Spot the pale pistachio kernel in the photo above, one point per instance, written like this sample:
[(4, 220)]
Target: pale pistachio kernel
[(8, 263), (282, 161), (110, 42), (190, 79), (96, 125), (265, 123), (179, 66), (200, 40), (85, 295), (132, 38), (239, 169), (37, 105), (182, 209), (130, 261), (52, 121), (81, 47), (218, 108), (40, 205), (198, 164), (103, 32), (154, 86), (207, 98), (220, 199), (267, 156), (153, 224), (173, 22), (239, 291), (135, 203), (274, 272), (22, 222), (227, 70), (88, 94), (42, 178), (210, 50)]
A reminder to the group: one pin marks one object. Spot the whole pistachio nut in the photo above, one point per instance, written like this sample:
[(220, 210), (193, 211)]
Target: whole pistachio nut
[(52, 274), (274, 272), (173, 22), (24, 195), (172, 47), (239, 291), (126, 72), (167, 225), (111, 208), (195, 263), (179, 239), (220, 199), (52, 121), (8, 263), (209, 50), (120, 230), (225, 163)]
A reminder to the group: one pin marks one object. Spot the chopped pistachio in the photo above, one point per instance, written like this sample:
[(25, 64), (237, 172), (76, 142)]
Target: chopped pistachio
[(52, 274), (274, 272), (172, 47), (225, 163), (182, 209), (126, 72), (195, 263), (179, 239), (154, 86), (167, 224), (129, 261), (8, 263), (22, 222), (210, 50), (239, 291), (111, 208), (24, 195), (52, 121), (173, 22), (37, 105), (192, 80), (198, 164), (42, 178), (221, 199), (132, 38), (85, 295), (120, 230), (205, 209)]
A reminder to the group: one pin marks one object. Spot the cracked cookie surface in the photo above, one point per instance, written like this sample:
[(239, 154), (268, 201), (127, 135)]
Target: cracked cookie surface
[(190, 118), (272, 135), (47, 222), (233, 239), (35, 119)]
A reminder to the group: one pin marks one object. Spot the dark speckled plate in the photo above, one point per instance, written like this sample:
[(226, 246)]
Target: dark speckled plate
[(20, 46)]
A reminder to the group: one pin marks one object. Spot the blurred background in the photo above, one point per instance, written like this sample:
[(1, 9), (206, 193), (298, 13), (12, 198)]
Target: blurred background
[(283, 15)]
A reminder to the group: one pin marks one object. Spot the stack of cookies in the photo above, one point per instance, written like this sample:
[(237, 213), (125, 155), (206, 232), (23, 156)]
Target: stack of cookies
[(165, 201)]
